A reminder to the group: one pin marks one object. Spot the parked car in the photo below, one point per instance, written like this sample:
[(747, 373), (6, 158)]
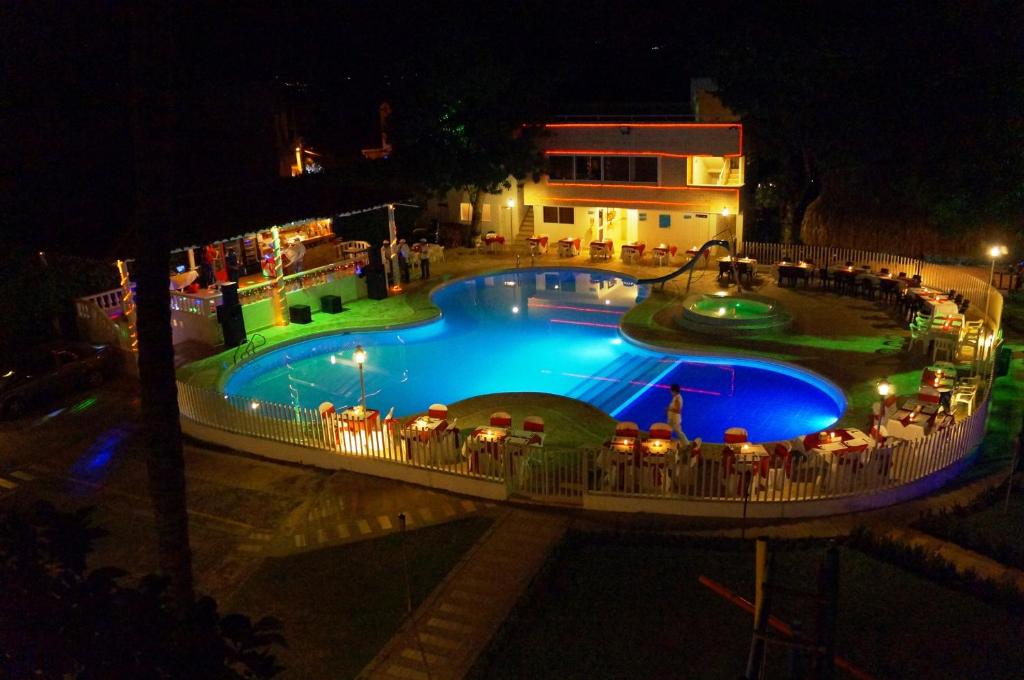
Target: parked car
[(49, 371)]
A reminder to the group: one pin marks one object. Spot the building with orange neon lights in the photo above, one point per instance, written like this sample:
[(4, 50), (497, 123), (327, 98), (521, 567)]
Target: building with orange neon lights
[(646, 180)]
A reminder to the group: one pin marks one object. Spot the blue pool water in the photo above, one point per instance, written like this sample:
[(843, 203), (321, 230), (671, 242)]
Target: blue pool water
[(536, 330)]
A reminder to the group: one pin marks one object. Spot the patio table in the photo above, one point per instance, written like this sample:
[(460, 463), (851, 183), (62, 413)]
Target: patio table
[(633, 252), (793, 271), (663, 253), (602, 249), (844, 441), (538, 244), (425, 440), (568, 247)]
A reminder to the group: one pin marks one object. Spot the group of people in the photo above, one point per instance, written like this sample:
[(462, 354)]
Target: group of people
[(407, 259)]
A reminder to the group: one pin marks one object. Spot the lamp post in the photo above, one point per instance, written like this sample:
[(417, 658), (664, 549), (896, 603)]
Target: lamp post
[(994, 252), (884, 388), (359, 356), (510, 204)]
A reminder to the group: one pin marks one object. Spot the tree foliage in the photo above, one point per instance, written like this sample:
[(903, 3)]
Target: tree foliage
[(60, 619), (886, 109), (464, 127)]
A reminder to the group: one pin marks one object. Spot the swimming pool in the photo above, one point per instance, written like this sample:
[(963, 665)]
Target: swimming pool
[(542, 330)]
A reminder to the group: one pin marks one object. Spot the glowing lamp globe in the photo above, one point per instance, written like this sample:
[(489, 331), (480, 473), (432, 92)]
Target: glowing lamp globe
[(359, 356), (884, 388)]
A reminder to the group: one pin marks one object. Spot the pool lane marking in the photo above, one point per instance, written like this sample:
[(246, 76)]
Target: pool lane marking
[(636, 395), (664, 386), (585, 323), (577, 309)]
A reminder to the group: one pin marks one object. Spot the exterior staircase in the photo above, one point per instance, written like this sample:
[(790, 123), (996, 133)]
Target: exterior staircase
[(520, 243)]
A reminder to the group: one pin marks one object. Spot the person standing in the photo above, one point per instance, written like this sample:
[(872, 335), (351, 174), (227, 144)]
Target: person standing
[(234, 269), (403, 260), (424, 259), (674, 414), (293, 254)]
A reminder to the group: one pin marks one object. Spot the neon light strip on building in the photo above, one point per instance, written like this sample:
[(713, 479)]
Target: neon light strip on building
[(605, 199), (569, 183)]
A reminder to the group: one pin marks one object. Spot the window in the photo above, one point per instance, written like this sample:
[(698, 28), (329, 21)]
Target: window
[(555, 215), (616, 168), (588, 167), (645, 169), (560, 167), (465, 212), (485, 215)]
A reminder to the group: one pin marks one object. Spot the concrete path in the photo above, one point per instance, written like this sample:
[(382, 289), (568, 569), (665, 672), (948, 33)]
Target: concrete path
[(455, 624)]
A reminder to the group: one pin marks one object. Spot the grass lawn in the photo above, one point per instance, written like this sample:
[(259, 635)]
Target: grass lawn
[(340, 605), (999, 527), (611, 610)]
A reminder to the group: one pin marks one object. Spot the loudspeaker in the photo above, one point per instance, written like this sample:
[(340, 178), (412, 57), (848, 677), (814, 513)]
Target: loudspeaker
[(300, 314), (229, 293), (331, 304), (233, 324), (376, 286)]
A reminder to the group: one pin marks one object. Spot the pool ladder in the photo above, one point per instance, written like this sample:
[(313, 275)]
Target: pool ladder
[(249, 348)]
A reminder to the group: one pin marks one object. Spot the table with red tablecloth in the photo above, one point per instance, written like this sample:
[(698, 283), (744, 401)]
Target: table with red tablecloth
[(603, 249), (841, 447), (568, 247), (538, 243), (662, 253), (494, 241), (633, 252), (486, 446)]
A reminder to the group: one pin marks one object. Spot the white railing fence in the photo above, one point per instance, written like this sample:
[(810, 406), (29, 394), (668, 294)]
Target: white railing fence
[(943, 277), (806, 478), (566, 475), (109, 300)]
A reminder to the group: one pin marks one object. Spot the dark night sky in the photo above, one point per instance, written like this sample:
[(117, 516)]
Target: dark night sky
[(67, 160), (68, 168)]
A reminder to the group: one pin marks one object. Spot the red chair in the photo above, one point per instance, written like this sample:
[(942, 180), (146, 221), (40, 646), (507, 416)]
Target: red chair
[(782, 457), (533, 424), (736, 435), (439, 411), (501, 419), (929, 395), (627, 429), (661, 431)]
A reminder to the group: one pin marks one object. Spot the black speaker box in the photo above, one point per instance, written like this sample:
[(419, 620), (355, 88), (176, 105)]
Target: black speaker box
[(229, 293), (331, 304), (376, 285), (300, 314), (233, 324)]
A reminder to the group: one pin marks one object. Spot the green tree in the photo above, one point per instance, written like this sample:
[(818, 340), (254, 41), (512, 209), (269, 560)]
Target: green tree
[(883, 111), (60, 619), (464, 128)]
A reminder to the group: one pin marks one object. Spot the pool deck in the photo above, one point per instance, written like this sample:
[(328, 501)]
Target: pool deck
[(851, 341)]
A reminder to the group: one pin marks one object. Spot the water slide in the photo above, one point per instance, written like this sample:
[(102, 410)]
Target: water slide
[(689, 265)]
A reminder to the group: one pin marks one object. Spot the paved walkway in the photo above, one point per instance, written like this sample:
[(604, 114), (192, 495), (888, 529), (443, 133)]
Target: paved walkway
[(455, 624)]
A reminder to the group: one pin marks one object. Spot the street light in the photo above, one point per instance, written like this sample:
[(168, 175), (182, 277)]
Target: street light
[(884, 388), (994, 252), (359, 356), (510, 204)]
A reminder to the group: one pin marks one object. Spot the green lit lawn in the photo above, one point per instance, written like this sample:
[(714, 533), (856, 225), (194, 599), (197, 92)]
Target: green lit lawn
[(617, 611), (341, 605)]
